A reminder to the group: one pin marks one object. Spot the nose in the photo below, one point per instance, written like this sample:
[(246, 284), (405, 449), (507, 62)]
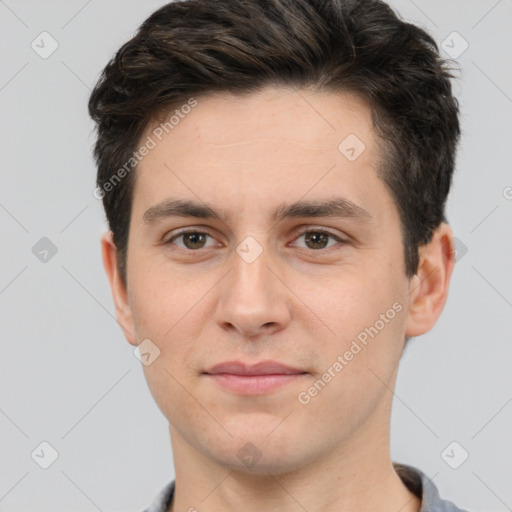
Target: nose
[(253, 301)]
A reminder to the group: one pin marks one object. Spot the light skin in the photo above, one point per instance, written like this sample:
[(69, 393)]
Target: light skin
[(299, 302)]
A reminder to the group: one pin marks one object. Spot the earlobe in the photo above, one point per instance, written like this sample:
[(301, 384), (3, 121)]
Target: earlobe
[(428, 289), (119, 292)]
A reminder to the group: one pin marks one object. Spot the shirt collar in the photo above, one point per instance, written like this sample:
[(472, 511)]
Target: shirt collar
[(419, 484), (414, 479)]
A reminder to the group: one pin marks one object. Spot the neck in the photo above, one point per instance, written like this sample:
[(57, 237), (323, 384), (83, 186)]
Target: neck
[(357, 476)]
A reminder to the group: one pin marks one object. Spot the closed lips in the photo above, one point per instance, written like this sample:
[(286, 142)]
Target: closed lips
[(261, 368)]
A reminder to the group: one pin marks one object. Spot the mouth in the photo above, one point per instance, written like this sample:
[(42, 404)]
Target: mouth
[(253, 379)]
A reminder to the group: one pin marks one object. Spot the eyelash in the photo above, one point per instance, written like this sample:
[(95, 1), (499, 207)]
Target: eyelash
[(304, 232)]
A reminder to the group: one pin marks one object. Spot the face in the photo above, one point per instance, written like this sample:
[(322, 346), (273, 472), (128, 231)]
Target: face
[(257, 239)]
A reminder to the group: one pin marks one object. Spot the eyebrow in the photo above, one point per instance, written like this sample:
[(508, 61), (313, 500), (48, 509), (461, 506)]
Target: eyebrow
[(336, 207), (340, 207)]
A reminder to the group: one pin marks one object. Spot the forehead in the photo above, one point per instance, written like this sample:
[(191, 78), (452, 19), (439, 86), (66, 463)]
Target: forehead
[(256, 150), (318, 120)]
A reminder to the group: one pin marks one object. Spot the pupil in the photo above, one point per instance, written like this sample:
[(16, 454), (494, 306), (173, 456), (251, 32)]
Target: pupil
[(317, 239)]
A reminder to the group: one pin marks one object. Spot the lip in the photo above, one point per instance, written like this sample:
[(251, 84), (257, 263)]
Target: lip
[(253, 379), (261, 368)]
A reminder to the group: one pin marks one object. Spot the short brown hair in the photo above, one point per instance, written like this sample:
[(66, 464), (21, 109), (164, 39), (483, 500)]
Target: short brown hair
[(195, 47)]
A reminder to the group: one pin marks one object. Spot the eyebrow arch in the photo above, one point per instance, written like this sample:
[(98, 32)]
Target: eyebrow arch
[(179, 208), (334, 207)]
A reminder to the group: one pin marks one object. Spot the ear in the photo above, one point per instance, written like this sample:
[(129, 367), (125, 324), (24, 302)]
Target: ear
[(428, 289), (119, 292)]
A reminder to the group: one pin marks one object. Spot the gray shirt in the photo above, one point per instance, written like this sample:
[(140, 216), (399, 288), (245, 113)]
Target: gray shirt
[(415, 480)]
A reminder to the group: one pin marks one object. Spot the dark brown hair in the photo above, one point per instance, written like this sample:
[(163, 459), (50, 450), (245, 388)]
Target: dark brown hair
[(192, 48)]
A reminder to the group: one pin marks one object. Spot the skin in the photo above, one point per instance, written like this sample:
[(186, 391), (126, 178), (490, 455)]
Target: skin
[(296, 303)]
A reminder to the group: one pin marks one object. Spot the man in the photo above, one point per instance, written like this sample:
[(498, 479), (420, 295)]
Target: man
[(274, 174)]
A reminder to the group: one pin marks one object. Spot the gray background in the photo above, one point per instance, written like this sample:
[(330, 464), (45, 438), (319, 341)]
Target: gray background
[(67, 375)]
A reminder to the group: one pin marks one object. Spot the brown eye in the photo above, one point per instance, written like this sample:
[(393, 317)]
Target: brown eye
[(192, 240), (318, 239)]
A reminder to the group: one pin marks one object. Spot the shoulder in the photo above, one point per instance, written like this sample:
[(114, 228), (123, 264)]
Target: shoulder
[(419, 483), (162, 500), (415, 480)]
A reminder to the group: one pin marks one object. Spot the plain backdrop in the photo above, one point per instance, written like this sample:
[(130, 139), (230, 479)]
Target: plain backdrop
[(68, 377)]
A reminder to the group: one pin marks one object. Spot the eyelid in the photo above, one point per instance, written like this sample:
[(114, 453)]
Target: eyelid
[(311, 227)]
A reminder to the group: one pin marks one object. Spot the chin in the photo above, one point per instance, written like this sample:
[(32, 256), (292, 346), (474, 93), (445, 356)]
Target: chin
[(260, 454)]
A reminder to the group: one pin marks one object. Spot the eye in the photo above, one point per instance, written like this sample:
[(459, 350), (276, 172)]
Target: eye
[(191, 240), (318, 238)]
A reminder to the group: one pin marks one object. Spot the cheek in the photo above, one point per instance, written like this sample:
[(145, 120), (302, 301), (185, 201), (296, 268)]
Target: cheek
[(367, 313), (362, 359), (354, 301), (161, 300), (171, 391), (172, 309)]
